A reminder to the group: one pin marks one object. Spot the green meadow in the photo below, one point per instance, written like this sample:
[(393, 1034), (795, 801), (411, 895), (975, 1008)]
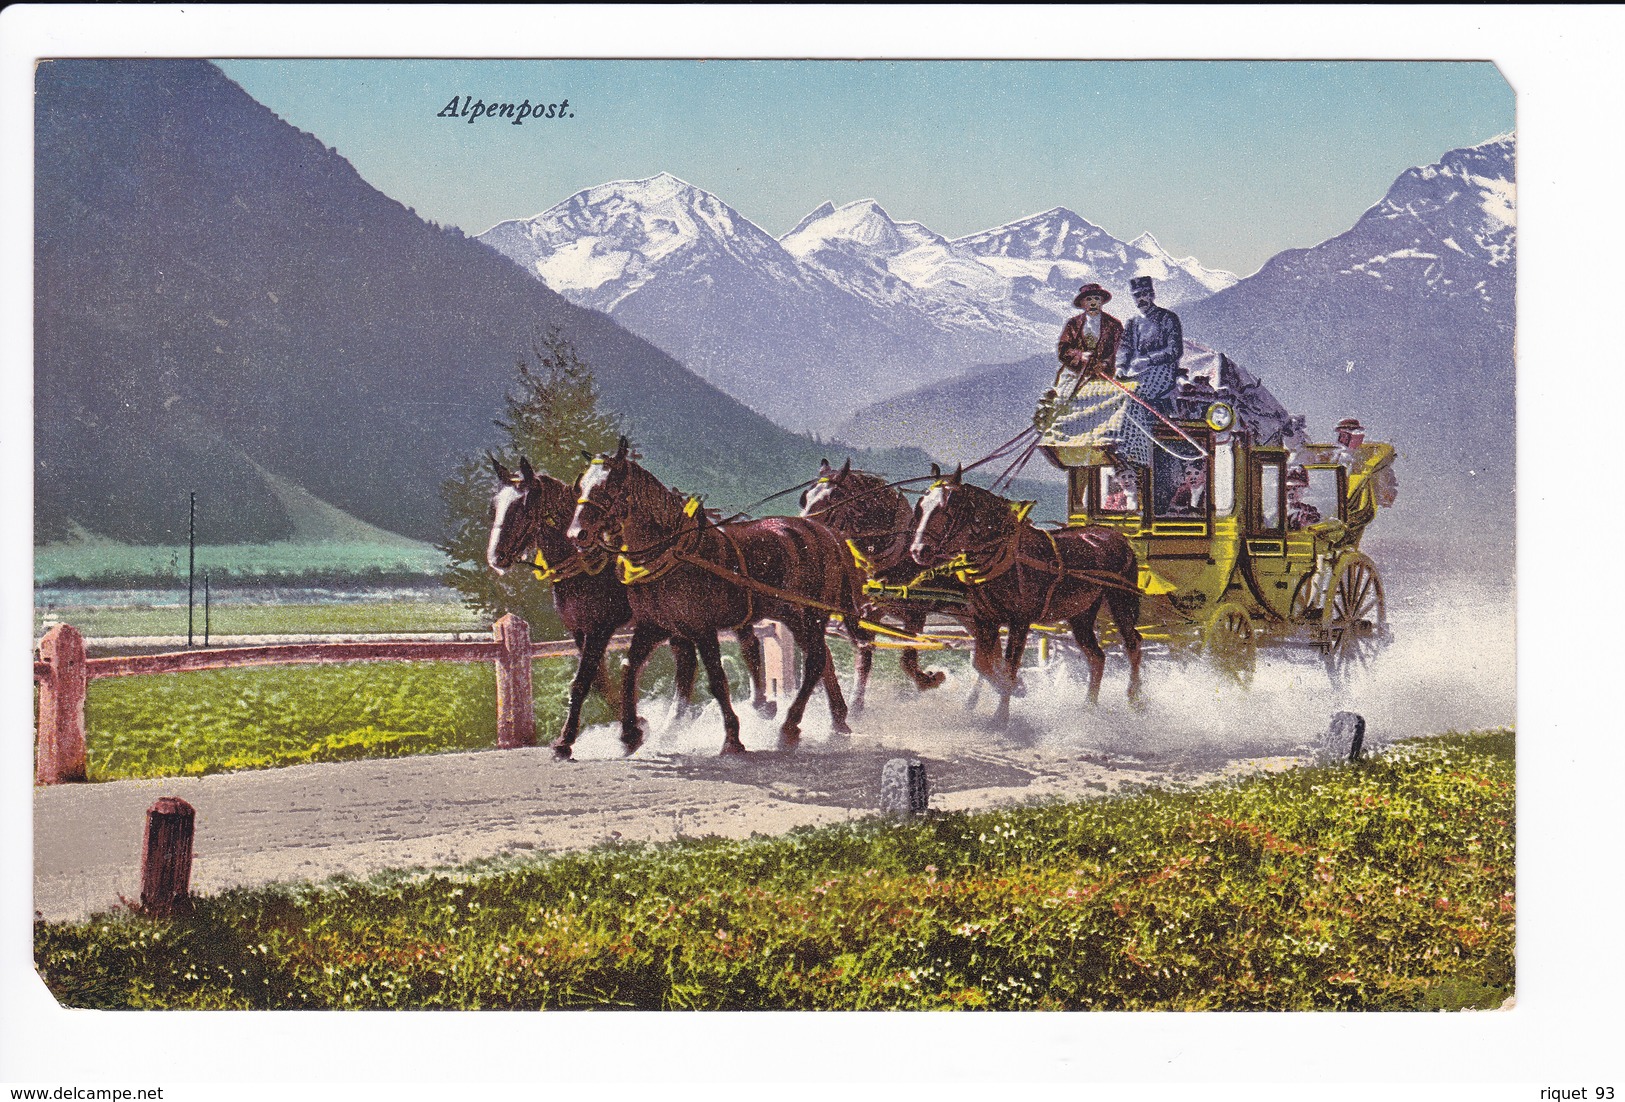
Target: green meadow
[(243, 618), (217, 721), (1387, 885)]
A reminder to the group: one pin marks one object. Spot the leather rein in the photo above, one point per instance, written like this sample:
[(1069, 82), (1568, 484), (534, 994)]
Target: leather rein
[(976, 565), (681, 550)]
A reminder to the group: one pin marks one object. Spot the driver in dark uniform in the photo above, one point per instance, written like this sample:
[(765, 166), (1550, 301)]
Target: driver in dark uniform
[(1152, 346)]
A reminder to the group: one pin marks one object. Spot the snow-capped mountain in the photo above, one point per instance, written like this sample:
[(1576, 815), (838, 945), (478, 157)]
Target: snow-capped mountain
[(1405, 321), (1424, 279), (1015, 281), (1162, 267), (848, 307), (860, 248), (1455, 227), (602, 245), (679, 267), (1061, 249)]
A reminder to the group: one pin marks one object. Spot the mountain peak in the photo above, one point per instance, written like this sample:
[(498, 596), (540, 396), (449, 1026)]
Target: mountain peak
[(652, 189), (825, 209), (1467, 194), (1057, 232), (863, 223), (1061, 215)]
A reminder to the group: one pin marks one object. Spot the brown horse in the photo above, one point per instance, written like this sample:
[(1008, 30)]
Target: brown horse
[(529, 513), (691, 577), (877, 521), (1019, 575)]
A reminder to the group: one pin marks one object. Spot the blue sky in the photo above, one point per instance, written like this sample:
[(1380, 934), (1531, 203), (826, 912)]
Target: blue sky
[(1228, 161)]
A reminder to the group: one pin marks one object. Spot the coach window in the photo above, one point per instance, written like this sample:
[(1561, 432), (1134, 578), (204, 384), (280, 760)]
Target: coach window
[(1118, 490), (1268, 508), (1179, 486), (1224, 479), (1324, 493)]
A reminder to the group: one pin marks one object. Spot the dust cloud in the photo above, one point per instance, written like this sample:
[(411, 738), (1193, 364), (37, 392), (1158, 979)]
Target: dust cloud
[(1451, 666)]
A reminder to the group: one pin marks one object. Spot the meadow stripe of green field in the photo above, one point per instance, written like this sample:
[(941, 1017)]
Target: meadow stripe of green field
[(191, 724), (358, 617), (1383, 885), (176, 725)]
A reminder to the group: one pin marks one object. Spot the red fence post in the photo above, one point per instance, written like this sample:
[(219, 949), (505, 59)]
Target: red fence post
[(166, 858), (516, 714), (59, 751)]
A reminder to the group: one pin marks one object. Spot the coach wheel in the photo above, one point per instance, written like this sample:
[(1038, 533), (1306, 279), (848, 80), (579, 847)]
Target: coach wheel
[(1355, 619), (1230, 644)]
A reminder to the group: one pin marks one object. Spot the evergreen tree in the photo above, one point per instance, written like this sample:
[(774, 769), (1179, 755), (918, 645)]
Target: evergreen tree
[(550, 417)]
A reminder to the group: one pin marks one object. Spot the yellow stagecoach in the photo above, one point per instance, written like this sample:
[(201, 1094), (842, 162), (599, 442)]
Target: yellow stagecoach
[(1241, 545)]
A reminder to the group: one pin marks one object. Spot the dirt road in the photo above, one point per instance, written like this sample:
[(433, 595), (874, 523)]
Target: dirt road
[(314, 821), (311, 822)]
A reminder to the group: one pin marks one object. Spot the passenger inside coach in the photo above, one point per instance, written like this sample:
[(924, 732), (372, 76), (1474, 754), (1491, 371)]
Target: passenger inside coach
[(1119, 493)]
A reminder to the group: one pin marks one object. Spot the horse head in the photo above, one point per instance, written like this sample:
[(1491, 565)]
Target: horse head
[(955, 517), (512, 519), (600, 494), (871, 513), (822, 496), (524, 507)]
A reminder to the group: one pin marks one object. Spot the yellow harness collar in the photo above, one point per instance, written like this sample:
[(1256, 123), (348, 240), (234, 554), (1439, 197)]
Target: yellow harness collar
[(574, 568), (860, 558)]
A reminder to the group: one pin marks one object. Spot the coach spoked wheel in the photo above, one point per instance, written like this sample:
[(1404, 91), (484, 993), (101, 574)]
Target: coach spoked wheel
[(1355, 618), (1230, 643)]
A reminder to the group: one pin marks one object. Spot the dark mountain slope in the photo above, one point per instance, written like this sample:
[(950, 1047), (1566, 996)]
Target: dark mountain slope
[(215, 286)]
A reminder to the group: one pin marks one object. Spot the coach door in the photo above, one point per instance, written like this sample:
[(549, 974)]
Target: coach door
[(1277, 555), (1188, 483)]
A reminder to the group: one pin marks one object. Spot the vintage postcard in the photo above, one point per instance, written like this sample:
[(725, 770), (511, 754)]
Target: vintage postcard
[(774, 535)]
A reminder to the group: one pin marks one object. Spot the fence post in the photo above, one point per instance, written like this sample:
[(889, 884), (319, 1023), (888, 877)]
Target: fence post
[(778, 660), (166, 858), (59, 752), (516, 714)]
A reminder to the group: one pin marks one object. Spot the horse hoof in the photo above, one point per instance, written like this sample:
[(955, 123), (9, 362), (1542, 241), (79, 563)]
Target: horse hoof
[(789, 734), (733, 746), (840, 726), (931, 680), (561, 751), (630, 741), (767, 709)]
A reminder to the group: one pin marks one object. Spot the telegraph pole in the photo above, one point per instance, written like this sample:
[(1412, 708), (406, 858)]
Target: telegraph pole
[(191, 562)]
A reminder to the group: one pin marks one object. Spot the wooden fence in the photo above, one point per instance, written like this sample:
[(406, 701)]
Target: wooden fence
[(63, 673)]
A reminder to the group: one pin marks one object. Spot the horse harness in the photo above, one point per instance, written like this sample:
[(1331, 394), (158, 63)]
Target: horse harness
[(978, 566), (579, 563), (681, 552), (869, 555)]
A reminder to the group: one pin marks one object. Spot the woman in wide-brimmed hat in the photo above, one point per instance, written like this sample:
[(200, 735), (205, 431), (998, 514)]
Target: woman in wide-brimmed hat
[(1088, 344)]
